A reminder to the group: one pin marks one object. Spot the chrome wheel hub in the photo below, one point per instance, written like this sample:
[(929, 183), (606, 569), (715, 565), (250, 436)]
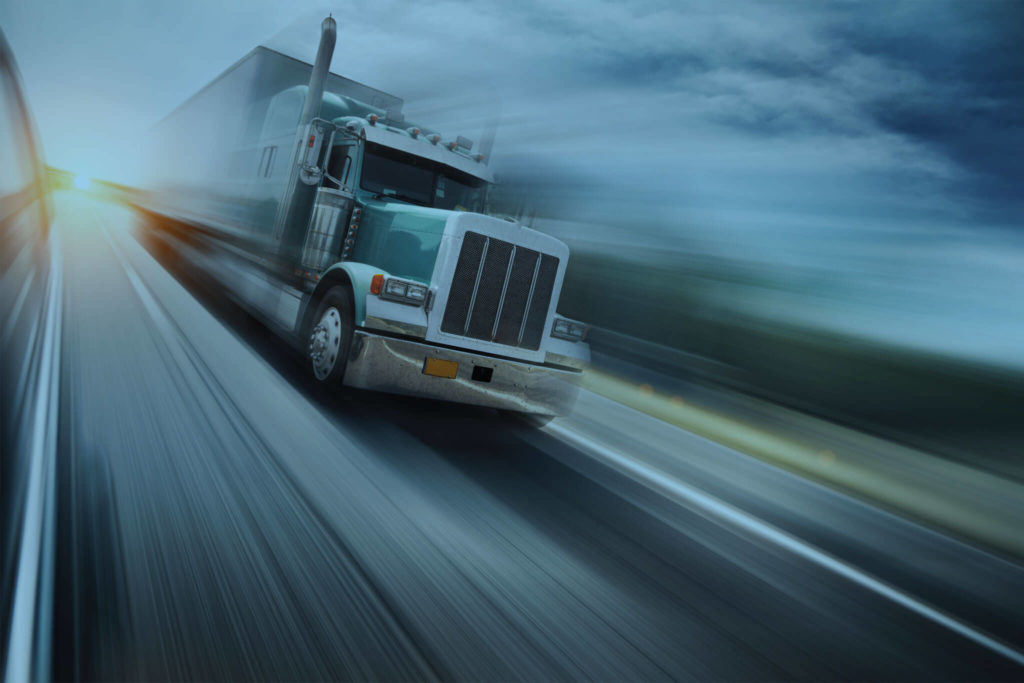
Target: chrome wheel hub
[(325, 343)]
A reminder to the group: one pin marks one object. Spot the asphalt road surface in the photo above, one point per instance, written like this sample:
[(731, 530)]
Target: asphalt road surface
[(221, 518)]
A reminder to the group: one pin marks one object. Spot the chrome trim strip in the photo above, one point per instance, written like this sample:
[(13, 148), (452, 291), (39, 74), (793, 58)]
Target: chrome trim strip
[(395, 326), (476, 285), (504, 292), (529, 299), (565, 361)]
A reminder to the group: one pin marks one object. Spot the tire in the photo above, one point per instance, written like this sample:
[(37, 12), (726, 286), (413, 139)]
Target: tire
[(330, 337)]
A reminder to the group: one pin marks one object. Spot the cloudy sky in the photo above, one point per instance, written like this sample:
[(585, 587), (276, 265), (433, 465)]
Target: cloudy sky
[(883, 140)]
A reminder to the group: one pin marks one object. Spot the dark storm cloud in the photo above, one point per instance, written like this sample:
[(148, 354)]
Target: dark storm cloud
[(970, 105), (940, 83)]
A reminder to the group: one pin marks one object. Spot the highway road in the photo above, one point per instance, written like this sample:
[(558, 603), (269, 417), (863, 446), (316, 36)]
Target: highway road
[(220, 518)]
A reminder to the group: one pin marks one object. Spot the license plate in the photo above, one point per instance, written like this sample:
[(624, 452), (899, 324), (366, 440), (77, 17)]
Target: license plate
[(440, 368)]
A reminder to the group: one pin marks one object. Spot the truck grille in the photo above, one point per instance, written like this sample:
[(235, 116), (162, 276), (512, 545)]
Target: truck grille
[(500, 292)]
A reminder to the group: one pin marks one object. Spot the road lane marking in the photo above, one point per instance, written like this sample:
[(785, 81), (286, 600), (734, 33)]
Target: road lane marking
[(12, 318), (155, 309), (28, 648), (717, 510)]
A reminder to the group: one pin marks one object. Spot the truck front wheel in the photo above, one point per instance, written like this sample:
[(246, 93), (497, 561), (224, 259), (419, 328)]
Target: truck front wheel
[(331, 336)]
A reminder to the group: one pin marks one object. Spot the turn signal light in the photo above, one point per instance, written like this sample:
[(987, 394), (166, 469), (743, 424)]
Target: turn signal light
[(438, 367), (377, 283)]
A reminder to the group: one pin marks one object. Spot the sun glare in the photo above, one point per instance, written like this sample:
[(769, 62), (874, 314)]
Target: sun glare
[(82, 182)]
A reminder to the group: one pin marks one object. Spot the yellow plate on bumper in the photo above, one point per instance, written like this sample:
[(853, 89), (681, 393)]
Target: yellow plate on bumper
[(440, 368)]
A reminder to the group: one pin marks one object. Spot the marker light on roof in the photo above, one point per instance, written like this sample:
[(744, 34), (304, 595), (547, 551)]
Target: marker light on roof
[(372, 118), (414, 132), (479, 157), (452, 146), (435, 138)]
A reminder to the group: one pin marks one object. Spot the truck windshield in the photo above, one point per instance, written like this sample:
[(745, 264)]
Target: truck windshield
[(390, 173)]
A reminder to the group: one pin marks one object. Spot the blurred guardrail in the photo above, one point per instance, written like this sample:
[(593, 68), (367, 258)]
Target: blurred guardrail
[(625, 354), (30, 297), (660, 316)]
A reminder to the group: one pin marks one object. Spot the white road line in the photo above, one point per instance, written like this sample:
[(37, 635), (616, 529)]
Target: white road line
[(155, 309), (31, 619), (12, 318), (726, 514)]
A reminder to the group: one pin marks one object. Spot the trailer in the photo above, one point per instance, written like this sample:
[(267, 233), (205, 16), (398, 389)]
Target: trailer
[(364, 239)]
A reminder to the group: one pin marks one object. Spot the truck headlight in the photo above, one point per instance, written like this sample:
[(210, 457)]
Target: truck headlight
[(404, 292), (569, 330)]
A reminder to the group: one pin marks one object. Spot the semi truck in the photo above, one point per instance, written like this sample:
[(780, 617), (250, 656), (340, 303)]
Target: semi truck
[(364, 239)]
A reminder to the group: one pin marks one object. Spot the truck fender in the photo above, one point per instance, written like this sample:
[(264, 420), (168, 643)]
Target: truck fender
[(356, 276)]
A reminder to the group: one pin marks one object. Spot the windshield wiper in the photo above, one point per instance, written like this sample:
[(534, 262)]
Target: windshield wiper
[(399, 197)]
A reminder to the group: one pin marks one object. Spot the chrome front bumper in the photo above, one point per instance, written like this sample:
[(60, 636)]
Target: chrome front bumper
[(396, 365)]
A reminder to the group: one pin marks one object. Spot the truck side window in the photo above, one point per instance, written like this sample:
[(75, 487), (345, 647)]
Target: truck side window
[(339, 166), (266, 167), (283, 113)]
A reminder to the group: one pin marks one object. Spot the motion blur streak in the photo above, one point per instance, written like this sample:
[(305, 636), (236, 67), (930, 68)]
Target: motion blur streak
[(30, 343), (715, 509), (220, 518), (32, 612)]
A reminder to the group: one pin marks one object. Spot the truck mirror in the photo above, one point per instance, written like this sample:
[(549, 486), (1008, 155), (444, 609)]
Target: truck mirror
[(311, 151)]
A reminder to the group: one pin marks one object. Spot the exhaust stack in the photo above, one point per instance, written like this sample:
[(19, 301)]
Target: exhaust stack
[(321, 67), (294, 210)]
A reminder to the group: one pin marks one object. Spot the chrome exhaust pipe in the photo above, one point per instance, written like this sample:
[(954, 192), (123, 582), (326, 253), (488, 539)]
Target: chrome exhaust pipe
[(321, 68), (295, 209)]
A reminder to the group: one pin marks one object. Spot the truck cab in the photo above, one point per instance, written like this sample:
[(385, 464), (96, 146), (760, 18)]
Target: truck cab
[(447, 301)]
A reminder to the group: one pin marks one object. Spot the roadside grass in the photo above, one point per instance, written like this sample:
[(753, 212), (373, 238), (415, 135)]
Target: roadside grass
[(975, 505)]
